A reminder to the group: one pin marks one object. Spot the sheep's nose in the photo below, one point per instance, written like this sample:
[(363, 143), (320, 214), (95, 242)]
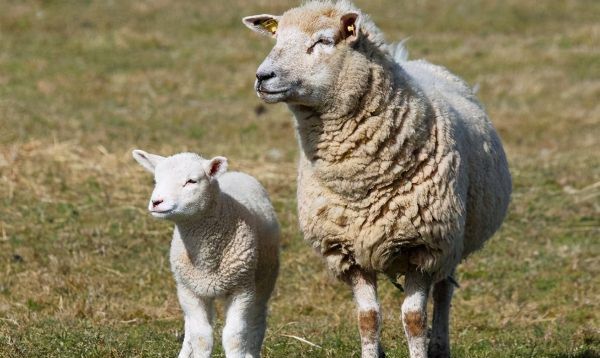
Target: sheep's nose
[(263, 76), (156, 203)]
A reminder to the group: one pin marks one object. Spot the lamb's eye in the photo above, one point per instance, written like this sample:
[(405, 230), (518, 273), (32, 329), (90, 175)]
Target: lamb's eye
[(190, 181)]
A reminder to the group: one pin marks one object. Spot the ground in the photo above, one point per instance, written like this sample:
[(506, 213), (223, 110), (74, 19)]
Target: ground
[(84, 268)]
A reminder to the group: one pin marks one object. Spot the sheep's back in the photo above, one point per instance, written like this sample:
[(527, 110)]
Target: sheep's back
[(251, 194)]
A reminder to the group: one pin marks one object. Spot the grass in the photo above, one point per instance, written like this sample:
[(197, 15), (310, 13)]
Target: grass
[(84, 269)]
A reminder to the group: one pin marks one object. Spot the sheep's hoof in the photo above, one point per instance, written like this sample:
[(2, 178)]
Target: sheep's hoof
[(437, 350), (380, 352)]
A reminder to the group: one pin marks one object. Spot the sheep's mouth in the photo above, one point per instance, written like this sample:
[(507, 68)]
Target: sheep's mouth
[(162, 213), (272, 96), (268, 92)]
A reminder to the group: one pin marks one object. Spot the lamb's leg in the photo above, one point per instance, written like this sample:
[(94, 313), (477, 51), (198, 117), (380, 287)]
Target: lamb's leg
[(198, 314), (257, 324), (265, 285), (414, 312), (235, 332), (364, 288), (439, 345)]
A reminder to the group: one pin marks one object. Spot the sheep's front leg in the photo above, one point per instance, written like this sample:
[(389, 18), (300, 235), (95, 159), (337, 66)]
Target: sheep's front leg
[(439, 345), (198, 314), (364, 288), (414, 312), (235, 332)]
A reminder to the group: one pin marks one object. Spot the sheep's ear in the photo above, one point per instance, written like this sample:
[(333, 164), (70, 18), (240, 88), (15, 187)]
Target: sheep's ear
[(147, 160), (350, 24), (264, 24), (215, 167)]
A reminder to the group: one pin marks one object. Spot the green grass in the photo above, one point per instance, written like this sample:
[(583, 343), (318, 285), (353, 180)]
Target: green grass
[(84, 268)]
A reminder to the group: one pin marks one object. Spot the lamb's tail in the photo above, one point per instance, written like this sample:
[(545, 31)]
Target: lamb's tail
[(398, 51)]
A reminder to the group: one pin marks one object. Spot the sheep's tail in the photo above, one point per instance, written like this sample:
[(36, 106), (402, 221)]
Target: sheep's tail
[(398, 51)]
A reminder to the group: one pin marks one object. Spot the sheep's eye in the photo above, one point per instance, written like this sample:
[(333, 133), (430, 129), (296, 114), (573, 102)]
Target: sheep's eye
[(323, 41), (190, 181)]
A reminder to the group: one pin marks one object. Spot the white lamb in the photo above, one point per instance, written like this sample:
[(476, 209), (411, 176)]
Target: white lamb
[(225, 245), (400, 171)]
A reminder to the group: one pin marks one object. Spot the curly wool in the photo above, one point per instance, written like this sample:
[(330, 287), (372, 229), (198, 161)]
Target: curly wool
[(402, 169), (235, 245)]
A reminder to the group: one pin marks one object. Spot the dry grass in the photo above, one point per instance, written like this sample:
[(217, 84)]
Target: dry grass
[(84, 269)]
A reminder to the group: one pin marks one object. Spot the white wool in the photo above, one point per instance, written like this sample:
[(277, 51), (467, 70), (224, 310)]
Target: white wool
[(399, 51), (401, 172), (225, 245)]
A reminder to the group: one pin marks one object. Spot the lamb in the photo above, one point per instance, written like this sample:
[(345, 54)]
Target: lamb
[(400, 172), (225, 245)]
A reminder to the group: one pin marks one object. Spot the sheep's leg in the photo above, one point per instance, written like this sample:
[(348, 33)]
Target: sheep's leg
[(198, 314), (235, 332), (439, 345), (258, 312), (414, 312), (257, 325), (364, 288)]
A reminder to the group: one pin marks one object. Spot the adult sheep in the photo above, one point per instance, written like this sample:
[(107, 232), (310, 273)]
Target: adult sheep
[(400, 171)]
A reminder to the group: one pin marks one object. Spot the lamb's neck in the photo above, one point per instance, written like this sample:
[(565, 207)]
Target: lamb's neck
[(207, 235), (356, 145)]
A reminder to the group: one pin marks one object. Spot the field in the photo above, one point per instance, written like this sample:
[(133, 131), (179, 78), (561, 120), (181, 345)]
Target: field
[(84, 268)]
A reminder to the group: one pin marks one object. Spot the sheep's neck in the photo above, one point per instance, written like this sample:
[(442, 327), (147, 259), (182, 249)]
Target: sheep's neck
[(207, 236), (356, 146)]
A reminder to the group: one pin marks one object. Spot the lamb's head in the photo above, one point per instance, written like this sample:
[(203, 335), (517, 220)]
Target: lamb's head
[(313, 44), (185, 183)]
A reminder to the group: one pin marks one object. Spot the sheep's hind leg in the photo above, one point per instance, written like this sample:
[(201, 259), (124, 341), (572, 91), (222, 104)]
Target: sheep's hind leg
[(439, 345), (235, 332), (364, 288), (414, 312), (198, 314), (256, 329)]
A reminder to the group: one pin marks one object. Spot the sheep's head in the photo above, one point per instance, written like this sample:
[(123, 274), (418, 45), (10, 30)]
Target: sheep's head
[(185, 183), (312, 44)]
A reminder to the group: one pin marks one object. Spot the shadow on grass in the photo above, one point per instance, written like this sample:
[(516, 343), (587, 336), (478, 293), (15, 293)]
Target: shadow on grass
[(585, 353)]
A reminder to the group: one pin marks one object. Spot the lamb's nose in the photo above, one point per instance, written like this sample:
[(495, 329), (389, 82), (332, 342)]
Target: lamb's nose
[(263, 76), (156, 203)]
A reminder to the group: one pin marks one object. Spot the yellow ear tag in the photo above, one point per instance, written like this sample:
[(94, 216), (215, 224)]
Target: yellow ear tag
[(270, 25), (351, 30)]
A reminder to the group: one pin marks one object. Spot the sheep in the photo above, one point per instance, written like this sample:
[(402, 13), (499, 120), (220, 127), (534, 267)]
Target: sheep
[(400, 173), (225, 245)]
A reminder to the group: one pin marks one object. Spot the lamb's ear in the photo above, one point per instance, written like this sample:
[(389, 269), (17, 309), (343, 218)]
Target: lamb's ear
[(350, 24), (215, 167), (147, 160), (264, 24)]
